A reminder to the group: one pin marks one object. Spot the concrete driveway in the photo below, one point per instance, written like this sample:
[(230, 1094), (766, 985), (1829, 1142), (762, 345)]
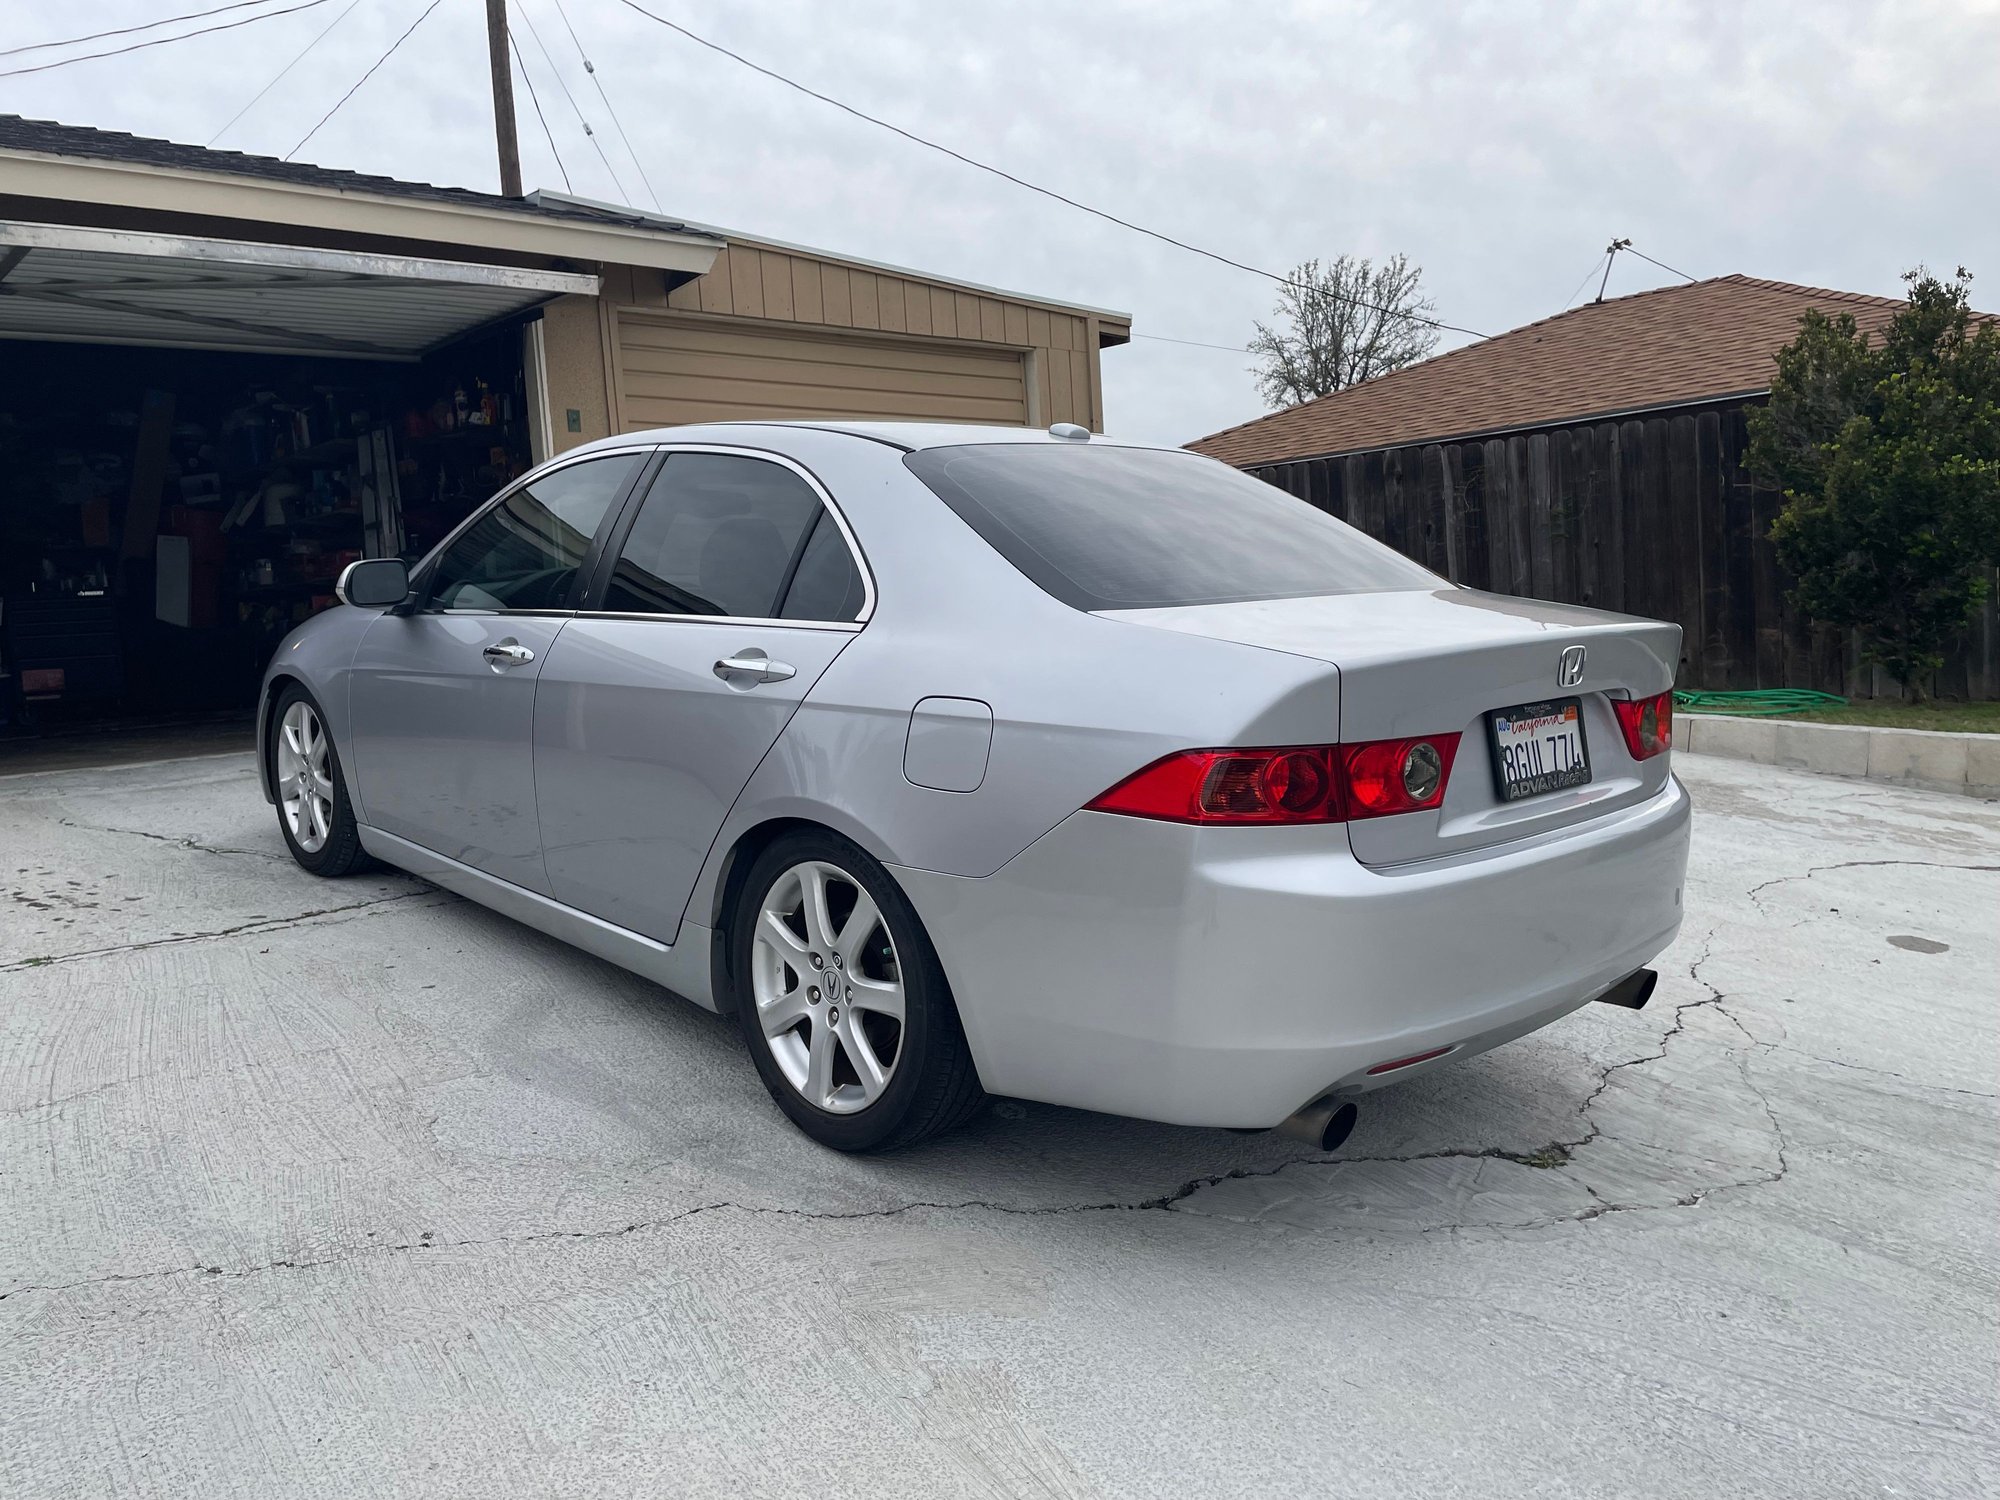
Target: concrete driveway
[(315, 1189)]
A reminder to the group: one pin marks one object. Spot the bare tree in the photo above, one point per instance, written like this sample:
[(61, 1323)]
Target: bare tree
[(1342, 324)]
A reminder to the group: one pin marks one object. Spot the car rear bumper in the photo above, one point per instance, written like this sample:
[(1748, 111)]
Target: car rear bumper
[(1227, 976)]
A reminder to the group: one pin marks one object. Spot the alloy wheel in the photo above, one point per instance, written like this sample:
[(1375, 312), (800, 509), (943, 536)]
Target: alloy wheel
[(305, 777), (828, 987)]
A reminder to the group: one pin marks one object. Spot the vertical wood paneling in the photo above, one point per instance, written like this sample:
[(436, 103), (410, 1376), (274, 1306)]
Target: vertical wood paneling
[(1541, 518), (687, 296), (968, 319), (944, 313), (1016, 324), (1084, 403), (992, 320), (716, 294), (746, 277), (777, 284), (863, 295), (892, 303), (916, 308), (808, 291), (835, 293), (1059, 387), (1038, 328)]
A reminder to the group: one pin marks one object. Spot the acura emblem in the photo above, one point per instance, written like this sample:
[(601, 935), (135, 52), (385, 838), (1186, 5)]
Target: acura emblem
[(1569, 671)]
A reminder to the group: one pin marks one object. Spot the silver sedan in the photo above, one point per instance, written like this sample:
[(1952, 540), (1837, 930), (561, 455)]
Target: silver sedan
[(957, 761)]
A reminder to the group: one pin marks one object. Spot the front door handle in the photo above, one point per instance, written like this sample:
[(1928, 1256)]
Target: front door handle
[(508, 654), (756, 665)]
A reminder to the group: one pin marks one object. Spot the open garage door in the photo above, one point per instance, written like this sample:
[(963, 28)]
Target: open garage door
[(675, 370)]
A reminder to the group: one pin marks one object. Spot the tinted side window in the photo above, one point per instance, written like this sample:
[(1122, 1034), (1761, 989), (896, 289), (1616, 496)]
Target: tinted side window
[(1102, 527), (524, 552), (715, 535), (827, 585)]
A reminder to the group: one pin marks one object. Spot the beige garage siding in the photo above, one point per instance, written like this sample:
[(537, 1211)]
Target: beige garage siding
[(673, 370)]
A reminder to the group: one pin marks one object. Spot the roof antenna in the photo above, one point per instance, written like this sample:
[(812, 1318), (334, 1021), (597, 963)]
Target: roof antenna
[(1610, 254)]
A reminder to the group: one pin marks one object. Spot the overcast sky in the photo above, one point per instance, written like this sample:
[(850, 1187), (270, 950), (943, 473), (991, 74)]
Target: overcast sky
[(1499, 145)]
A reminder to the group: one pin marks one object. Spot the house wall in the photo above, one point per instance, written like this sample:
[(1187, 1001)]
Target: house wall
[(1653, 516)]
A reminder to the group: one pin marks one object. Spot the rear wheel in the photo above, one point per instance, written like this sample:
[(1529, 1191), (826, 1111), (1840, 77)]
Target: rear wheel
[(843, 1001), (313, 811)]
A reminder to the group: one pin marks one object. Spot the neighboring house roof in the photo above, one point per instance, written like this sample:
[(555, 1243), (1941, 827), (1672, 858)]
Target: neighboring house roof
[(49, 138), (1671, 347)]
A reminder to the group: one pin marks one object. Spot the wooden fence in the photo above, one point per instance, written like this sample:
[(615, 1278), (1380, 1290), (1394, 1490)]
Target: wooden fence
[(1651, 516)]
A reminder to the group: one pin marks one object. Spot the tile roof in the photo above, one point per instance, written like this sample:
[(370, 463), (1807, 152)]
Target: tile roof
[(1670, 347), (49, 138)]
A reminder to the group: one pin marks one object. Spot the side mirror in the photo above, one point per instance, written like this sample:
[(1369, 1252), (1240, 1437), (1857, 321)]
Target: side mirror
[(374, 583)]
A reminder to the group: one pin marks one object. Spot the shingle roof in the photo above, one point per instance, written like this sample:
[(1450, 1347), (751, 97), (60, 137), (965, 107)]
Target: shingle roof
[(49, 138), (1670, 347)]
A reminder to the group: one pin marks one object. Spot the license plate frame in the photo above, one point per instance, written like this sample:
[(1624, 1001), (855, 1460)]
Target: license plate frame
[(1537, 783)]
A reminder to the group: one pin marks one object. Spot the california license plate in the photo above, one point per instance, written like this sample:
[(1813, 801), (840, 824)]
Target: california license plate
[(1538, 747)]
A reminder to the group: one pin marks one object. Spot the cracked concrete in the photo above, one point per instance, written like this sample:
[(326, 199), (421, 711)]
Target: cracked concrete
[(312, 1189)]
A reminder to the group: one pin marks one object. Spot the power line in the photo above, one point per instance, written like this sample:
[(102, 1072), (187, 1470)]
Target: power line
[(362, 79), (161, 41), (98, 36), (1022, 182), (1161, 338), (562, 84), (617, 123), (536, 100), (296, 60)]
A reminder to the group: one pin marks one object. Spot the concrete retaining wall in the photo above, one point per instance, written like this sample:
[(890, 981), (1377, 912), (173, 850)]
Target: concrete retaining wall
[(1968, 764)]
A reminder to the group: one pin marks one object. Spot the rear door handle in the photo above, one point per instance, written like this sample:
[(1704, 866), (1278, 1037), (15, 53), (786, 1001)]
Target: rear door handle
[(508, 655), (754, 664)]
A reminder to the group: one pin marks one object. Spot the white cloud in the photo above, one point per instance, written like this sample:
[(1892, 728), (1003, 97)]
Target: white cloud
[(1500, 145)]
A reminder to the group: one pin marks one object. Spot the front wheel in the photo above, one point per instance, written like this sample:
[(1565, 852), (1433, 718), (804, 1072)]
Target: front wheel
[(843, 1001), (314, 813)]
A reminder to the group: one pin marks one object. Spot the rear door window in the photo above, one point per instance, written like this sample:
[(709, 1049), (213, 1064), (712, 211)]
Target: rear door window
[(1103, 527), (719, 534)]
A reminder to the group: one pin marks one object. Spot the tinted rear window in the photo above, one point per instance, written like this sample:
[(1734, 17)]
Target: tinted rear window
[(1144, 528)]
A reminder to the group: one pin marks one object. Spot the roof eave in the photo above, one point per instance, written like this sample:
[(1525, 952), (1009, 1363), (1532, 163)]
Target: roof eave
[(1481, 434), (257, 200)]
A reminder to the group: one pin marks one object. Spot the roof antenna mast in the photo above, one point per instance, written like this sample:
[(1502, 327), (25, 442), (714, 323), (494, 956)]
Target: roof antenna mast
[(1610, 254)]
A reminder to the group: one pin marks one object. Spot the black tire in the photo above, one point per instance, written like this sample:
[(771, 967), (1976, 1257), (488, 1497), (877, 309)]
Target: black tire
[(341, 853), (933, 1086)]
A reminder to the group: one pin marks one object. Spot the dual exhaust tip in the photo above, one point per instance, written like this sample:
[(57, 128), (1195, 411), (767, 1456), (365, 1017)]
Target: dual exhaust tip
[(1327, 1122)]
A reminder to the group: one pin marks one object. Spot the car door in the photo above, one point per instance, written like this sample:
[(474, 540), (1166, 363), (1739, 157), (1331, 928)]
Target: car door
[(727, 589), (441, 698)]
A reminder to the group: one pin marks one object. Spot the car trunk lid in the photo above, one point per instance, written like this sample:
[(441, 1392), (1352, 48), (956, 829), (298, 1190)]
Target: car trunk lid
[(1442, 661)]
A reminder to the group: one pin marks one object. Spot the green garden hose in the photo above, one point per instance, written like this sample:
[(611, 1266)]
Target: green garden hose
[(1761, 703)]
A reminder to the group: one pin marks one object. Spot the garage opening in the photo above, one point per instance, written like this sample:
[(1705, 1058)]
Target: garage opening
[(197, 436)]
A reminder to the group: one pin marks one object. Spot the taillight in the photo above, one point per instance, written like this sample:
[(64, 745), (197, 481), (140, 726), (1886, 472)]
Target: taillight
[(1397, 776), (1289, 784), (1647, 723), (1292, 785)]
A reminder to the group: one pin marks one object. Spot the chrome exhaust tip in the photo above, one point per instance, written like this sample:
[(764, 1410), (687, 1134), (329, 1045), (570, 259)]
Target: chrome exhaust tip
[(1633, 991), (1325, 1123)]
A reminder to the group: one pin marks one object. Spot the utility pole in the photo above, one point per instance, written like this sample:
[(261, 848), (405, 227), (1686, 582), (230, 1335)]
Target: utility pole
[(503, 99)]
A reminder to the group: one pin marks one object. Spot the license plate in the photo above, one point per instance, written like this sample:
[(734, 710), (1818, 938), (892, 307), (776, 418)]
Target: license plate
[(1538, 747)]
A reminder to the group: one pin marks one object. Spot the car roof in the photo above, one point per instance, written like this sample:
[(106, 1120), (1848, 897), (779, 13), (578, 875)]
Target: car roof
[(909, 436)]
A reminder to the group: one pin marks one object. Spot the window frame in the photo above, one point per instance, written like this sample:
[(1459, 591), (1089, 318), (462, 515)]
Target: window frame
[(424, 574), (600, 571)]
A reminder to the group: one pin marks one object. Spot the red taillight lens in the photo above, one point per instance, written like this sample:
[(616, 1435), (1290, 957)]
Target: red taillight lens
[(1397, 776), (1647, 723), (1293, 784)]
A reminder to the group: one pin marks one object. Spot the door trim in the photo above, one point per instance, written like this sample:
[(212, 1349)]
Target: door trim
[(681, 966)]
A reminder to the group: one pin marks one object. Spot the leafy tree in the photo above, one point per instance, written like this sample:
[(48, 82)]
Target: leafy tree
[(1888, 456), (1342, 324)]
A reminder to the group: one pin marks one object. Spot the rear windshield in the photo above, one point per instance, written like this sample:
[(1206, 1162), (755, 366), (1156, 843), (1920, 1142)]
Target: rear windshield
[(1144, 528)]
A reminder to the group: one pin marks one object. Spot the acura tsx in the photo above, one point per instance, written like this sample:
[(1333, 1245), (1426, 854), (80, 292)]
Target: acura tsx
[(956, 761)]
